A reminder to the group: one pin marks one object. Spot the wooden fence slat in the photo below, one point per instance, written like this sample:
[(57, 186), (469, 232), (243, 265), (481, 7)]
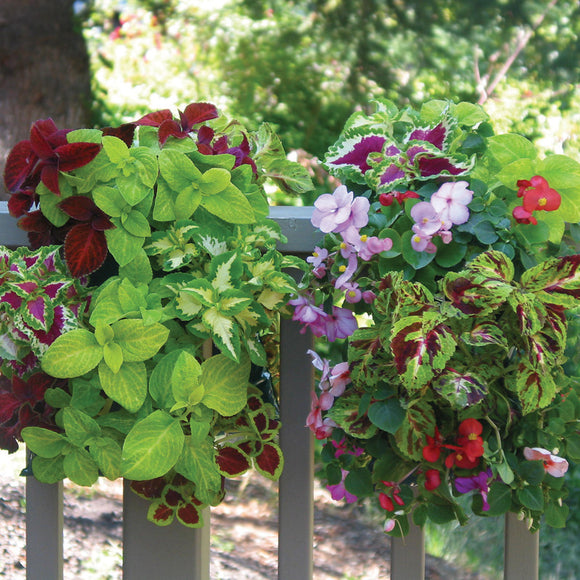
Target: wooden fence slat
[(152, 552), (408, 555), (44, 526), (522, 548), (296, 510)]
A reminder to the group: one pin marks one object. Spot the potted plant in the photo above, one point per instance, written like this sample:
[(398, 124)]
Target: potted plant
[(443, 294), (135, 330)]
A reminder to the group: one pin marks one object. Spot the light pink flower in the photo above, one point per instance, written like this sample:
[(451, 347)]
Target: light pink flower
[(339, 491), (339, 377), (318, 257), (348, 272), (554, 465), (427, 219), (337, 211), (341, 324), (309, 314), (352, 292), (451, 202), (369, 296), (421, 243)]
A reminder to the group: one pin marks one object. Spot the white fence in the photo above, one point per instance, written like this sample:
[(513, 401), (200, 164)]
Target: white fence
[(186, 553)]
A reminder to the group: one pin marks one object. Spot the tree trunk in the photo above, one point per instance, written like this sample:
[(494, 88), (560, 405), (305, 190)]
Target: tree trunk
[(44, 70)]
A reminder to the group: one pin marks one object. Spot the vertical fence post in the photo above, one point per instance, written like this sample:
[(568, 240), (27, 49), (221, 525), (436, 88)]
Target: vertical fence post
[(408, 555), (522, 548), (44, 525), (151, 552)]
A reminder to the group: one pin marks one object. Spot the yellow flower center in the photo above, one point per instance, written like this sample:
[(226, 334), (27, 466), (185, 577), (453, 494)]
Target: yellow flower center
[(363, 238), (542, 201), (351, 293), (459, 457), (425, 220), (417, 238), (315, 254), (342, 246), (472, 436), (342, 268)]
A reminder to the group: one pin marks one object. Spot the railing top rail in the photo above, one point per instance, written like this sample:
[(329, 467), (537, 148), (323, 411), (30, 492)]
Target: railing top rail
[(294, 221)]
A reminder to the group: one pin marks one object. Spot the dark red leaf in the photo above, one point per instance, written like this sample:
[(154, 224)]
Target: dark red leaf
[(150, 488), (21, 202), (19, 165), (85, 250), (196, 113), (254, 403), (39, 138), (162, 513), (125, 132), (74, 155), (232, 462), (49, 176), (170, 128), (34, 222), (172, 497), (188, 514), (79, 207), (270, 460), (155, 119)]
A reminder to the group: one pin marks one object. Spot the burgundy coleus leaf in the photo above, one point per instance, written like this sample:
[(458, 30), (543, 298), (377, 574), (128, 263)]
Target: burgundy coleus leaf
[(85, 249), (231, 461), (205, 137), (160, 513), (270, 461), (38, 314), (85, 245), (391, 175), (419, 350), (19, 166), (432, 166), (196, 113), (188, 514), (260, 421), (125, 132), (255, 403), (172, 496), (155, 119), (41, 232), (171, 128), (149, 488), (21, 201)]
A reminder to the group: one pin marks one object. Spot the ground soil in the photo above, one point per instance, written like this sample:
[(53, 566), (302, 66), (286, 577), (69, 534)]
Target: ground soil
[(347, 546)]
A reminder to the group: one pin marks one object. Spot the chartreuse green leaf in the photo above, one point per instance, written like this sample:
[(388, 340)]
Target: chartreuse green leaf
[(138, 341), (215, 180), (48, 470), (106, 453), (231, 205), (109, 200), (160, 380), (152, 447), (80, 467), (44, 442), (123, 245), (128, 386), (178, 170), (197, 463), (116, 149), (185, 383), (72, 354), (510, 147), (225, 383), (79, 427)]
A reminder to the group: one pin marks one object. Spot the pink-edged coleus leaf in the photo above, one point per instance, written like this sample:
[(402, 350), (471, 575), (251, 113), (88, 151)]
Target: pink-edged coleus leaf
[(351, 155), (85, 249), (231, 461), (419, 350), (38, 314), (270, 461), (435, 135), (11, 298)]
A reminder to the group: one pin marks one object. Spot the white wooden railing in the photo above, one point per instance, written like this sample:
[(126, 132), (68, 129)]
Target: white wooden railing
[(185, 553)]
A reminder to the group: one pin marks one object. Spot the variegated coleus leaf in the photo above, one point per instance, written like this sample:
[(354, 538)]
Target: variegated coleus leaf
[(421, 345), (345, 413), (270, 461), (555, 281), (349, 157), (419, 422), (225, 271), (483, 286), (485, 334), (460, 389), (174, 245), (534, 386), (232, 461)]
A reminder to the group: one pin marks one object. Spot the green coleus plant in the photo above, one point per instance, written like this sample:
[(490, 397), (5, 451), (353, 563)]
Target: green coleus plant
[(442, 295), (136, 328)]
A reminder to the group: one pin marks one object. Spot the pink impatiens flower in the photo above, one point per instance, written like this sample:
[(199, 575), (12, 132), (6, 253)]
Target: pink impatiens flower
[(337, 211), (451, 202), (339, 491), (554, 465)]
